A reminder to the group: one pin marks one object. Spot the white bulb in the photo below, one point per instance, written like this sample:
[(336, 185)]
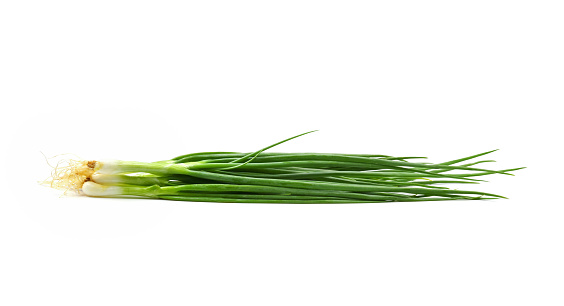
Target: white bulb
[(108, 166), (108, 179), (96, 190)]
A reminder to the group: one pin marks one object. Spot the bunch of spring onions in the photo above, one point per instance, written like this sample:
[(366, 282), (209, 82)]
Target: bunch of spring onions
[(265, 177)]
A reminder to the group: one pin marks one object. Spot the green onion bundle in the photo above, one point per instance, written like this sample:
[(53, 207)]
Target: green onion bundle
[(266, 177)]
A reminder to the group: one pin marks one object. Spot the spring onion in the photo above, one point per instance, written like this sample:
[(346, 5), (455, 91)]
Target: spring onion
[(268, 177)]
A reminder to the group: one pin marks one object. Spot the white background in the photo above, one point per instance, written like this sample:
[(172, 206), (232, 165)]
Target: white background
[(149, 80)]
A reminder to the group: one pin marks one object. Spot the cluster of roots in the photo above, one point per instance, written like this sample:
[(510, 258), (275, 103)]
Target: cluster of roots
[(70, 175)]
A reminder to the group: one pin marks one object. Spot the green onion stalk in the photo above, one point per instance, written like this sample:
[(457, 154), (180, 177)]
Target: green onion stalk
[(268, 177)]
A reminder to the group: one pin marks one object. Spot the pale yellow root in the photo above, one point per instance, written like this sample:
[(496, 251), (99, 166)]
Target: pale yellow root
[(70, 175)]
